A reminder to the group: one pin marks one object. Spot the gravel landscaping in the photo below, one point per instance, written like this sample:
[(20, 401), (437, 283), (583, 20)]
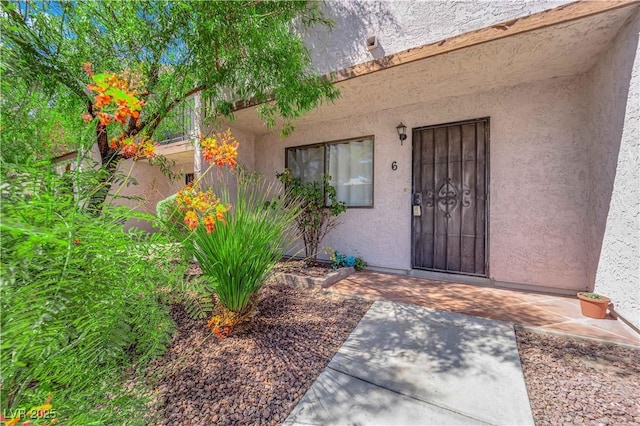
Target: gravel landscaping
[(259, 373), (575, 381)]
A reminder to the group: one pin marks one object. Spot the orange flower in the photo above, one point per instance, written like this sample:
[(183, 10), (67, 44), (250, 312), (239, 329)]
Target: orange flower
[(209, 223), (220, 211), (101, 100), (104, 118), (116, 95), (121, 117), (128, 148), (87, 117), (221, 150), (202, 205), (147, 149), (191, 219)]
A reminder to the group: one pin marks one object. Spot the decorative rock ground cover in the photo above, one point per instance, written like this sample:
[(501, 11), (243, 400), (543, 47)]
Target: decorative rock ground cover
[(258, 375), (574, 381)]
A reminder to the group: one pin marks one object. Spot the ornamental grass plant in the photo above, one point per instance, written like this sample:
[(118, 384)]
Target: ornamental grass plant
[(240, 254)]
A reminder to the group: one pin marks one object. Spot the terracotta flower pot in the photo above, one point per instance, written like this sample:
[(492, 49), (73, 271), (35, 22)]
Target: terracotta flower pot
[(593, 308)]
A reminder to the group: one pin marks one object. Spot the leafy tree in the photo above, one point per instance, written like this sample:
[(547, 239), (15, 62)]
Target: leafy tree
[(35, 125), (225, 51), (316, 218)]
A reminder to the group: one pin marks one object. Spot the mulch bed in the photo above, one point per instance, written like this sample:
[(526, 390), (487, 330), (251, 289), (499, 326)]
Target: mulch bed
[(259, 373), (578, 381)]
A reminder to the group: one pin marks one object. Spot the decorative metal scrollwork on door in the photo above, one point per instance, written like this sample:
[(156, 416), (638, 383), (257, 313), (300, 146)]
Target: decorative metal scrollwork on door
[(447, 197), (466, 197), (449, 216), (429, 197)]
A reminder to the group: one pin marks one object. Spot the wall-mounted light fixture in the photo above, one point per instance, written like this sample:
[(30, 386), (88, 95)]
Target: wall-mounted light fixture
[(402, 132)]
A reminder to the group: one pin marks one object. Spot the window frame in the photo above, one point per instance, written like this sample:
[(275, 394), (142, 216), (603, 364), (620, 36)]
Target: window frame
[(325, 145)]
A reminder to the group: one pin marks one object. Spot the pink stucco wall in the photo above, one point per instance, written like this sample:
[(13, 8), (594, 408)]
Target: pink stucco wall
[(613, 122), (400, 25), (149, 186), (538, 172)]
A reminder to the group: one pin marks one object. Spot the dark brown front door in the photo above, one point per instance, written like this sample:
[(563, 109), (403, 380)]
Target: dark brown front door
[(449, 197)]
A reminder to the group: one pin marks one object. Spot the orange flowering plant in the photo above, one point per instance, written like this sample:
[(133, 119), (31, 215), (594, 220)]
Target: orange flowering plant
[(203, 207), (220, 150), (200, 207), (238, 258), (116, 101), (223, 322)]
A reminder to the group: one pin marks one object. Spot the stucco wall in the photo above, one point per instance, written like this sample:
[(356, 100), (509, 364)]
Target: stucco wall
[(613, 122), (152, 186), (400, 25), (538, 177)]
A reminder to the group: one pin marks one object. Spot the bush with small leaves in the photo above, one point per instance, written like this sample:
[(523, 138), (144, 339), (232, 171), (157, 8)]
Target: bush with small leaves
[(319, 210), (79, 300)]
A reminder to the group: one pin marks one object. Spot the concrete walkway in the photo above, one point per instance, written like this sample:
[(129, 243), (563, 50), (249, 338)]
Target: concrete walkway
[(404, 364)]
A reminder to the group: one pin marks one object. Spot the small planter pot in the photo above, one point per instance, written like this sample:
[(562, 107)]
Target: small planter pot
[(593, 308)]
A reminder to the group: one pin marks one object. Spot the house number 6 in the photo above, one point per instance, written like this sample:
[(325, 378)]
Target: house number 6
[(394, 165)]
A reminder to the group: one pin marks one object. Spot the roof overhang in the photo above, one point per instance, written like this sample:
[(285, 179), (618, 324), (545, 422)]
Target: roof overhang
[(559, 42), (181, 152)]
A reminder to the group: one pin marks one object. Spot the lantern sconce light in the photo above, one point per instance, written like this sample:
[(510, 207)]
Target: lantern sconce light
[(402, 132)]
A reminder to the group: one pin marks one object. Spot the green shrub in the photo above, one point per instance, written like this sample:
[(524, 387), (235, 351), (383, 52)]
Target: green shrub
[(168, 214), (79, 301), (319, 210), (237, 257)]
